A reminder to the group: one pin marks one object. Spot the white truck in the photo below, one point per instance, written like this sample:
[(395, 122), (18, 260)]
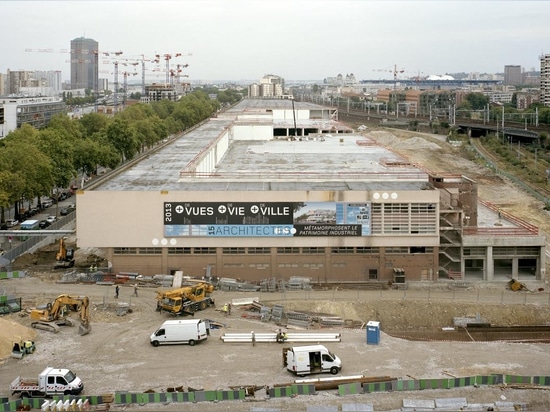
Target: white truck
[(173, 332), (51, 381), (305, 360)]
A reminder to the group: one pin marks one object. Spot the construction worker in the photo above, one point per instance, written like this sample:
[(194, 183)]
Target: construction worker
[(225, 309)]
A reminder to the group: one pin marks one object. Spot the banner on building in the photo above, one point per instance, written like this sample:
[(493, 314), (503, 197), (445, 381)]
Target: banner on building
[(266, 219)]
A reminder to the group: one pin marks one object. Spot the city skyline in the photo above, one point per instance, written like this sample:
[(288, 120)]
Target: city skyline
[(297, 40)]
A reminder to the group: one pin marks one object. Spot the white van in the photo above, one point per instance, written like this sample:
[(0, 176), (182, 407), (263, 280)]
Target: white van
[(305, 360), (173, 332)]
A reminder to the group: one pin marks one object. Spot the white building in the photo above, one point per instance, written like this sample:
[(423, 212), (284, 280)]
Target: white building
[(36, 111)]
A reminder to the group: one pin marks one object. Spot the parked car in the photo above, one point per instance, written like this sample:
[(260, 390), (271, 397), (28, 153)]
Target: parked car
[(12, 222), (44, 224), (66, 210), (47, 203)]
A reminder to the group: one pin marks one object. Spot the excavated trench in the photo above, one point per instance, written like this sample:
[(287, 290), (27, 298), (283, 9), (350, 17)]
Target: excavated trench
[(539, 334)]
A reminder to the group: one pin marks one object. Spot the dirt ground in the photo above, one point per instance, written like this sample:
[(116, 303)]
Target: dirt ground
[(117, 355)]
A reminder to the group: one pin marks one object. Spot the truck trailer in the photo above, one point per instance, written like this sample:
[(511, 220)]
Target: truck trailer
[(173, 332), (305, 360), (51, 381)]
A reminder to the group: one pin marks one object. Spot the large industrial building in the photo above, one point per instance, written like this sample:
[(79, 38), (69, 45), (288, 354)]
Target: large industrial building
[(274, 189)]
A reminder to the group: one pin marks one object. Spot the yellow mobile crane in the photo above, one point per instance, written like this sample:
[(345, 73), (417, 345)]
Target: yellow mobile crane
[(185, 300), (56, 313)]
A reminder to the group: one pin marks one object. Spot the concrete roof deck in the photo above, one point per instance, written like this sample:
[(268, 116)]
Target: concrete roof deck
[(339, 162)]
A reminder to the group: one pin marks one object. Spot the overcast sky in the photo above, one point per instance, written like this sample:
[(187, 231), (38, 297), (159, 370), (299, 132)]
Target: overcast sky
[(295, 39)]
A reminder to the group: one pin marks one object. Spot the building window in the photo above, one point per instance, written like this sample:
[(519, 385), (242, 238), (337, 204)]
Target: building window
[(259, 250), (313, 250), (179, 250), (343, 250), (233, 250), (397, 250), (368, 250), (421, 249), (474, 251), (404, 218), (204, 251), (150, 251), (373, 274), (125, 251), (288, 250)]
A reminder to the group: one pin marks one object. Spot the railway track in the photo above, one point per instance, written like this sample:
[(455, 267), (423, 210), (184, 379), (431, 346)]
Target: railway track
[(539, 191)]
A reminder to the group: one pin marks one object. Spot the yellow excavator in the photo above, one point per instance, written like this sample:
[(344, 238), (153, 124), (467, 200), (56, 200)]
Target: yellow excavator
[(57, 313), (64, 257), (185, 300)]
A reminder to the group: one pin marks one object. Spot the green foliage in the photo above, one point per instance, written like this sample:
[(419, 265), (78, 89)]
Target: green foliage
[(34, 162), (477, 101)]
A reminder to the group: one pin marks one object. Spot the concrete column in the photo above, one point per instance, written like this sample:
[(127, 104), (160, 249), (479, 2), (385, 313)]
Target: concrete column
[(489, 273), (515, 264), (541, 264)]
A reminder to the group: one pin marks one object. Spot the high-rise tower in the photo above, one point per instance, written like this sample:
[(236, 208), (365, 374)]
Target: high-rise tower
[(545, 79), (84, 70)]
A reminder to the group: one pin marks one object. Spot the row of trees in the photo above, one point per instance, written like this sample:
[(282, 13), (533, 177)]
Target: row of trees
[(35, 163)]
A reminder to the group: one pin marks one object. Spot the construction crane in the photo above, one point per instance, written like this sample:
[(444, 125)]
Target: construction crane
[(126, 74), (167, 57), (93, 57), (175, 73), (393, 70)]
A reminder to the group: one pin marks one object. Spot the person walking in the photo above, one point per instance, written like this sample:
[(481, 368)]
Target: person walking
[(116, 292), (136, 290)]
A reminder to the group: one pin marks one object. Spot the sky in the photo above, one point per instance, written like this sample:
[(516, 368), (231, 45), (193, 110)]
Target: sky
[(295, 39)]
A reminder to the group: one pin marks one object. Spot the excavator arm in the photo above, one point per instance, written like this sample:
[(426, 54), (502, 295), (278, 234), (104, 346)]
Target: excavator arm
[(55, 314)]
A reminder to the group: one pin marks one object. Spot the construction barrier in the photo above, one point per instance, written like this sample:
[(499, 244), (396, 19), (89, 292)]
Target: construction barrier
[(83, 403), (281, 392), (303, 389), (350, 389), (13, 275)]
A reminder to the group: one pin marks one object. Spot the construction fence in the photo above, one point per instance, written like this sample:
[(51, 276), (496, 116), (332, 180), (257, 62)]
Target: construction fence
[(74, 403)]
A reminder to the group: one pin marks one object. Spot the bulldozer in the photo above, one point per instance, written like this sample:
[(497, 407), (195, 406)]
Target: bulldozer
[(64, 257), (185, 300), (56, 314)]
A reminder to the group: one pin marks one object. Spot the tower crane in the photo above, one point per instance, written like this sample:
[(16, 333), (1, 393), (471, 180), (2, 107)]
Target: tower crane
[(393, 70), (167, 57), (126, 74), (93, 57)]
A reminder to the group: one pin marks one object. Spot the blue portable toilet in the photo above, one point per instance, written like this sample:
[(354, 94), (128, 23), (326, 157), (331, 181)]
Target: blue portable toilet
[(373, 332)]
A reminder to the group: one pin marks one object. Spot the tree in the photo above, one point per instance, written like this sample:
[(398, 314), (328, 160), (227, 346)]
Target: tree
[(30, 171), (477, 101), (92, 123), (122, 137)]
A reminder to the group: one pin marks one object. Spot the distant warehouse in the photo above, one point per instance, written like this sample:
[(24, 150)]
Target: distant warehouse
[(275, 189)]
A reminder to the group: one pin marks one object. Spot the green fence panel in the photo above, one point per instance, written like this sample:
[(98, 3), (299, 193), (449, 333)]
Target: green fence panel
[(541, 380), (230, 395), (282, 392), (517, 379), (303, 389), (378, 387), (405, 385), (10, 406), (349, 389)]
